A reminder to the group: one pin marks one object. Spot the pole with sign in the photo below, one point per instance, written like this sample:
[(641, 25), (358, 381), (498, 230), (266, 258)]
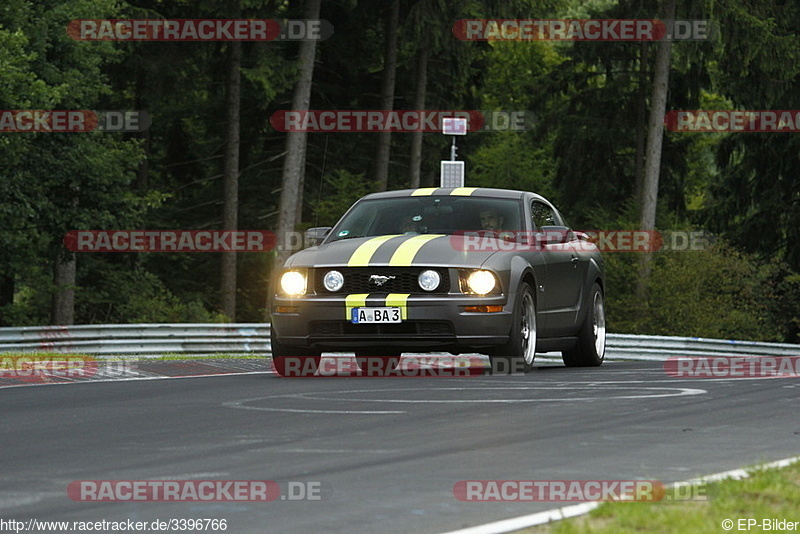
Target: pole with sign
[(452, 172)]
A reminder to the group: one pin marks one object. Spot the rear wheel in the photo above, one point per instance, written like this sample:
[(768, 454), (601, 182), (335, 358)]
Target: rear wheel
[(591, 348), (520, 350), (377, 363), (291, 361)]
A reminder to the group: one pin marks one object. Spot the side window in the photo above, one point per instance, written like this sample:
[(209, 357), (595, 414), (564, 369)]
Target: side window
[(542, 215)]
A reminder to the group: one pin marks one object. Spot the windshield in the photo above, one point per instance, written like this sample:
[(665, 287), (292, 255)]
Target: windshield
[(428, 215)]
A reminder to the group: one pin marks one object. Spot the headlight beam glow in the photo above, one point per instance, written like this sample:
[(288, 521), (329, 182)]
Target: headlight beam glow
[(293, 283), (481, 282)]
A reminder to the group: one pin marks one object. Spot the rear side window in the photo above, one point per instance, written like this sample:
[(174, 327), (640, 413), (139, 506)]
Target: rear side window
[(542, 215)]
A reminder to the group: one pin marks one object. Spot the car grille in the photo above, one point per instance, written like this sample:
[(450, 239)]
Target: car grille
[(357, 280), (346, 328)]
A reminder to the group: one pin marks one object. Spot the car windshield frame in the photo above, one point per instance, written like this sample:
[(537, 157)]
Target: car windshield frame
[(426, 214)]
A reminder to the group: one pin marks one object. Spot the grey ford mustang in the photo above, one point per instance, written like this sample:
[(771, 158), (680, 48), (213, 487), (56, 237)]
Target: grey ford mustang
[(459, 270)]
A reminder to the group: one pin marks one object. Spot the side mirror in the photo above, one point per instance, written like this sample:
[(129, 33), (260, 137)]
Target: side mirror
[(582, 236), (315, 235), (554, 235)]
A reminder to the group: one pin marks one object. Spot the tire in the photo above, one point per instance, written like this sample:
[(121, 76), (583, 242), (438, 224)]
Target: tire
[(288, 361), (520, 350), (591, 348), (377, 363)]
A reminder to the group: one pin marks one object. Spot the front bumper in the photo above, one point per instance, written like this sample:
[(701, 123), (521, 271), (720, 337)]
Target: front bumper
[(430, 322)]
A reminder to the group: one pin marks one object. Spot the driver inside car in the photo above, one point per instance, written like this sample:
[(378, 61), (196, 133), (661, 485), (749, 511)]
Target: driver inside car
[(491, 220)]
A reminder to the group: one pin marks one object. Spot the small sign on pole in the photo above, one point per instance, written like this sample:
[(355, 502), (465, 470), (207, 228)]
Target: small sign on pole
[(454, 126), (452, 174)]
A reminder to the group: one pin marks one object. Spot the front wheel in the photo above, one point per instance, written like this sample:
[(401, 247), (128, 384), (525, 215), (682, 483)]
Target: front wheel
[(520, 350), (291, 361), (591, 348)]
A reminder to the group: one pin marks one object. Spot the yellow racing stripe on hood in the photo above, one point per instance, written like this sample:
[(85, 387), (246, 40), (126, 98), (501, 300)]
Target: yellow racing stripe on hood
[(404, 255), (365, 251)]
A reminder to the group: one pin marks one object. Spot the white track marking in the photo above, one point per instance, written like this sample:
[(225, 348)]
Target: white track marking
[(333, 397), (532, 520), (131, 379), (242, 405), (326, 395)]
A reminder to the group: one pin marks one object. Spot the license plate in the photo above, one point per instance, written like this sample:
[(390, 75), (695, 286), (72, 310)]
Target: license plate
[(375, 315)]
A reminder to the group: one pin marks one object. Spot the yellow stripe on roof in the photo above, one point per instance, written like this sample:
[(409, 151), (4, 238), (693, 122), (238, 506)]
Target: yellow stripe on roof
[(424, 191), (365, 251), (404, 255), (463, 191), (395, 300), (356, 300)]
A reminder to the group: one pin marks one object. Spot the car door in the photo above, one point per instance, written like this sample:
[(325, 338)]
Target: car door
[(562, 283)]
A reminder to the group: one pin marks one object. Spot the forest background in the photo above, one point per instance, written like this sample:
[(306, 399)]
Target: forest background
[(212, 160)]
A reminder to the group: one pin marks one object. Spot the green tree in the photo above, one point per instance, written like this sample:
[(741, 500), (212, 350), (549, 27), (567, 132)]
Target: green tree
[(63, 181)]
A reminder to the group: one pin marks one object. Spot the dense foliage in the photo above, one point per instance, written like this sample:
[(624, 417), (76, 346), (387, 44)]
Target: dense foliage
[(590, 101)]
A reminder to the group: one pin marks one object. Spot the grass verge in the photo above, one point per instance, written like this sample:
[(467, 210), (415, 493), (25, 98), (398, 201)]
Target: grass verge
[(752, 504)]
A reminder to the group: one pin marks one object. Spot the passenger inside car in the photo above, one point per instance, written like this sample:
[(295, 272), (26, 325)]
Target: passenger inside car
[(411, 224)]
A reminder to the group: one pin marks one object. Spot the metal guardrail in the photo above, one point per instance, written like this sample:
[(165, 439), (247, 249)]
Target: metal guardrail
[(139, 339), (635, 347), (253, 338)]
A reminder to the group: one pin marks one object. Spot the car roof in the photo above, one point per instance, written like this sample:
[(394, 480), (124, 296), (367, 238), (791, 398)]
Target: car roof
[(455, 191)]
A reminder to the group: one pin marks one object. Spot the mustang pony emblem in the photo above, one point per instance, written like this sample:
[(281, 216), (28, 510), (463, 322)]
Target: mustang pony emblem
[(380, 280)]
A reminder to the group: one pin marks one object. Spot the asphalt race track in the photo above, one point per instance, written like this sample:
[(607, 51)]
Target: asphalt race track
[(386, 452)]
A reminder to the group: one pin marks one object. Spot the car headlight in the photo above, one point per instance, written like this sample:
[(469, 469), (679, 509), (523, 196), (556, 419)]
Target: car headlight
[(293, 283), (333, 281), (481, 282), (429, 280)]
